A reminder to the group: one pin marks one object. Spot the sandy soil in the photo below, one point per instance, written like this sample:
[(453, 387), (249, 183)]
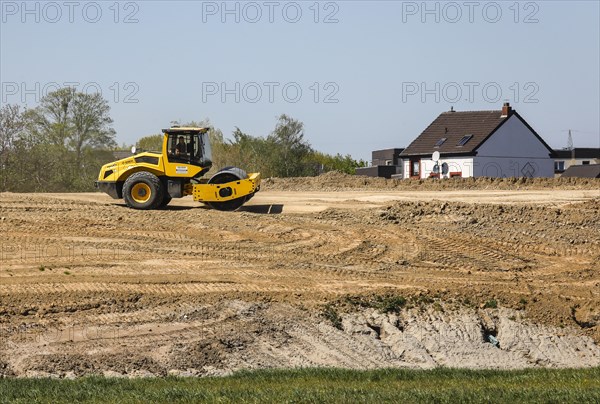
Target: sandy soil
[(297, 279), (316, 201)]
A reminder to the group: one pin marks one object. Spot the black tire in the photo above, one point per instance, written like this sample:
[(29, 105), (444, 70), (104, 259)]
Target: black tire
[(143, 190), (166, 199)]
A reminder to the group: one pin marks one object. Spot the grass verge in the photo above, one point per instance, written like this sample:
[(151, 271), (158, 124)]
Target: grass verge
[(321, 385)]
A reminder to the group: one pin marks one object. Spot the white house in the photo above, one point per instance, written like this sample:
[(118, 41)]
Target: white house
[(479, 144)]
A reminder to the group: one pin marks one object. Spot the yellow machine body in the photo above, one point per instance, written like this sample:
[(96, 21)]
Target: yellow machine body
[(210, 192)]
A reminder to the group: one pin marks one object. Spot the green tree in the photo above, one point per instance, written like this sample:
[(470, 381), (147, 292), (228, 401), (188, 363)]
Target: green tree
[(57, 145), (290, 148), (12, 123), (327, 162), (74, 120), (151, 143)]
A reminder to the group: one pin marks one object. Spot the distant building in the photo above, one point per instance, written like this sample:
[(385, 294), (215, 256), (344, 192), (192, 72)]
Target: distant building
[(122, 154), (583, 171), (479, 144), (384, 163), (386, 157), (565, 158)]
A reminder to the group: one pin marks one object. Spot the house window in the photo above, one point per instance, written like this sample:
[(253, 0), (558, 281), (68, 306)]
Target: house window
[(440, 142), (465, 139), (559, 166), (585, 162), (388, 162)]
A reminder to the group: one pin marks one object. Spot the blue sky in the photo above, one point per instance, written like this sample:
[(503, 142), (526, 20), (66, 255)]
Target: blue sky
[(360, 75)]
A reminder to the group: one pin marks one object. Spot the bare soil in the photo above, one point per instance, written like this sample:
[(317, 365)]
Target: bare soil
[(328, 275), (336, 181)]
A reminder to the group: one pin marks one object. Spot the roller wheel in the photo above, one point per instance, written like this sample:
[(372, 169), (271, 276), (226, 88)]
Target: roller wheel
[(223, 177), (143, 190)]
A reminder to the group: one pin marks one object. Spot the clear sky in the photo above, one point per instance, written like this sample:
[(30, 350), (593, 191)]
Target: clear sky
[(361, 75)]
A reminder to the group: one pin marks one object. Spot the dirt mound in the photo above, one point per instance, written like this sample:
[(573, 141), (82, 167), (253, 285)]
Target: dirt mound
[(74, 364), (337, 181), (280, 335)]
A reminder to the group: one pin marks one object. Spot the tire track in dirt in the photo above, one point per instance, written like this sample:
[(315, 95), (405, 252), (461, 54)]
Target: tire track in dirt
[(167, 271)]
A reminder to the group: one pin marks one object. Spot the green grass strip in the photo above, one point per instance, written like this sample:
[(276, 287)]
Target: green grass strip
[(321, 385)]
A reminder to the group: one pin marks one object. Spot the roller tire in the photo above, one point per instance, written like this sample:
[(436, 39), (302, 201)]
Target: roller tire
[(222, 177)]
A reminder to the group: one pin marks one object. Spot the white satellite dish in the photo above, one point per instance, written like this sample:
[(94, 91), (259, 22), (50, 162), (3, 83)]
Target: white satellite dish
[(436, 156), (133, 149)]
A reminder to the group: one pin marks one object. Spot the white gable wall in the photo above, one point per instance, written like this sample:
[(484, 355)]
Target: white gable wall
[(513, 151)]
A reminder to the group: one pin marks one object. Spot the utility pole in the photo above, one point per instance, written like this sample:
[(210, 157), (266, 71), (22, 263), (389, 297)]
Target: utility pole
[(570, 146)]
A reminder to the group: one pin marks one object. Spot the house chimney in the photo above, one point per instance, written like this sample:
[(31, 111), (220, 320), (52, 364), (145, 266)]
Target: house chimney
[(506, 110)]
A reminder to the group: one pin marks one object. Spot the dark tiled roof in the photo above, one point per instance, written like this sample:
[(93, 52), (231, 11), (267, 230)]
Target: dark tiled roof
[(580, 153), (583, 171), (453, 126)]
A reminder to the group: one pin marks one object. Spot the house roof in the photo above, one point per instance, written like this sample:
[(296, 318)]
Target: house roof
[(583, 171), (454, 126), (580, 153)]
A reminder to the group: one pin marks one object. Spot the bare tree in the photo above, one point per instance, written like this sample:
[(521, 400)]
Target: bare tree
[(12, 123)]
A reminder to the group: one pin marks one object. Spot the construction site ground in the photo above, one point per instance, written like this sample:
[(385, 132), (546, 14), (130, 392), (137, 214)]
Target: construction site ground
[(334, 271)]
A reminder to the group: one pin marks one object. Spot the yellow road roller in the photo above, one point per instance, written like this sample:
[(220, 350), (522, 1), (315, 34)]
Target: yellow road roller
[(149, 180)]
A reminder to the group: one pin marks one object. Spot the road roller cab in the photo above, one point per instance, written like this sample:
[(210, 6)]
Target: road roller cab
[(149, 180)]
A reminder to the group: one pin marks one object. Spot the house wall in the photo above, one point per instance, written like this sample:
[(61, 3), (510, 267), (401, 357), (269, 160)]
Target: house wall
[(461, 165), (406, 168), (513, 151), (379, 171), (487, 167), (512, 167), (455, 165)]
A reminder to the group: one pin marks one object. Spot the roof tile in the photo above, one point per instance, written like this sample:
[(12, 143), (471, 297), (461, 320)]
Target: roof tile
[(453, 126)]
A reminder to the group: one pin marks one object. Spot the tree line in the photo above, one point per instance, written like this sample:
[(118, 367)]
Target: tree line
[(60, 145), (285, 152)]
